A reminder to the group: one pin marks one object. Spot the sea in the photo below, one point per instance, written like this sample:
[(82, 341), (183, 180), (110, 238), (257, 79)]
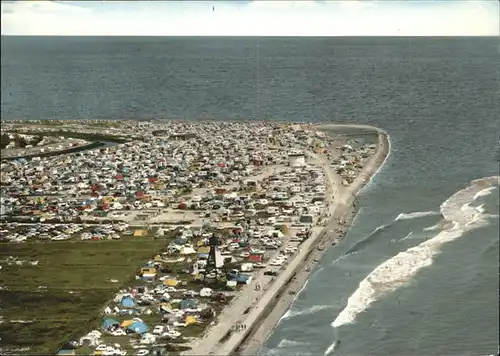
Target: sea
[(418, 273)]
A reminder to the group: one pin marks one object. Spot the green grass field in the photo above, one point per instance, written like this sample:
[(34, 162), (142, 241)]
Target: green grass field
[(62, 296)]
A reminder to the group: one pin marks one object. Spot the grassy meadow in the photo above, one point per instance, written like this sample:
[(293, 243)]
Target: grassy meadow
[(61, 298)]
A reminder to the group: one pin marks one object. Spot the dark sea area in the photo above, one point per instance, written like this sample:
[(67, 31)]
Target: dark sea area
[(437, 98)]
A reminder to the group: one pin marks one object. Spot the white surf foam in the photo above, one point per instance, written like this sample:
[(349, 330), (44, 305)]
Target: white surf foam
[(358, 214), (407, 236), (283, 346), (398, 270), (331, 348), (285, 316), (484, 192), (415, 215), (303, 287), (317, 271), (436, 227), (288, 343), (289, 313), (314, 309), (342, 257), (379, 228)]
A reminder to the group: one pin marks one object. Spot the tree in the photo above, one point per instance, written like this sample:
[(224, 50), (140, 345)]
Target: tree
[(4, 140)]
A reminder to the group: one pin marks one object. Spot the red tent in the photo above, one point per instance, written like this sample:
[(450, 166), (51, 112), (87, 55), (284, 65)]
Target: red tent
[(255, 258)]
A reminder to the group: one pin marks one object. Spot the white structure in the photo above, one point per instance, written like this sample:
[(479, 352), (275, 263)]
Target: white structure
[(297, 160)]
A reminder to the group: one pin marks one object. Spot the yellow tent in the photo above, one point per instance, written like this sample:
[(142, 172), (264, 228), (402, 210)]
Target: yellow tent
[(170, 282), (190, 320), (126, 323), (159, 186), (204, 249), (147, 270), (140, 233), (158, 258), (200, 243), (165, 306)]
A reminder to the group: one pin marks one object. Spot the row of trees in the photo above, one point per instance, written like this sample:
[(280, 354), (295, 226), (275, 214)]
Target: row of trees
[(19, 142)]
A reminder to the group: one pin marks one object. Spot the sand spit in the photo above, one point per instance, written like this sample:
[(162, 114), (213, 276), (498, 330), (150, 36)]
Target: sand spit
[(265, 313)]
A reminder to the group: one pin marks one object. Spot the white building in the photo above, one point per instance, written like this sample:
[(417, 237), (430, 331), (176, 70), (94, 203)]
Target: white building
[(297, 160)]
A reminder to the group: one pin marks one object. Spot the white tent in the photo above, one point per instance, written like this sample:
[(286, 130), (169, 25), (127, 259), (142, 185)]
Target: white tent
[(247, 267), (187, 250), (206, 292)]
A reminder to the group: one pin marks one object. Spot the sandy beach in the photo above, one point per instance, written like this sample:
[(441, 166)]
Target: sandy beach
[(260, 310)]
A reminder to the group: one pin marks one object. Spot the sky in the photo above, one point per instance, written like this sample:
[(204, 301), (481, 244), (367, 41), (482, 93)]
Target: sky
[(252, 18)]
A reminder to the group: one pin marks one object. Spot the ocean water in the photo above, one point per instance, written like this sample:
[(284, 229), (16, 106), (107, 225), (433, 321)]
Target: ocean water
[(400, 283)]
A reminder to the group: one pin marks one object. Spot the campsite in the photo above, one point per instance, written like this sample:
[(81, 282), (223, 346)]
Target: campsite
[(60, 297)]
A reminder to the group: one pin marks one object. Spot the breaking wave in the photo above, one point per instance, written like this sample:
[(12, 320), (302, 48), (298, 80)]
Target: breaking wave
[(415, 215), (398, 270), (436, 227), (343, 256), (484, 192), (285, 344), (303, 287), (331, 348), (403, 216), (314, 309), (288, 343), (360, 244), (407, 236)]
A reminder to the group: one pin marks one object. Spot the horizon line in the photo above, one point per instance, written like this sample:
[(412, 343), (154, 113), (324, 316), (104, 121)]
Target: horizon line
[(265, 36)]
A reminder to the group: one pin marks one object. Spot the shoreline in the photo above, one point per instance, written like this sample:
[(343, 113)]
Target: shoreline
[(346, 211), (263, 314)]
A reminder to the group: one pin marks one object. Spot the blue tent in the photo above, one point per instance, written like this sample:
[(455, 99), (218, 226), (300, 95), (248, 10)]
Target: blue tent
[(107, 323), (66, 353), (239, 278), (128, 302), (187, 304), (138, 327), (180, 241)]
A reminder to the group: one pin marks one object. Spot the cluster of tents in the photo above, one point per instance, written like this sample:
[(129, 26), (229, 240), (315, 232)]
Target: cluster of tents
[(131, 326)]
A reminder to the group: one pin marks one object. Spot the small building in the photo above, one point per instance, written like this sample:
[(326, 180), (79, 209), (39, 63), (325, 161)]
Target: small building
[(297, 160)]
